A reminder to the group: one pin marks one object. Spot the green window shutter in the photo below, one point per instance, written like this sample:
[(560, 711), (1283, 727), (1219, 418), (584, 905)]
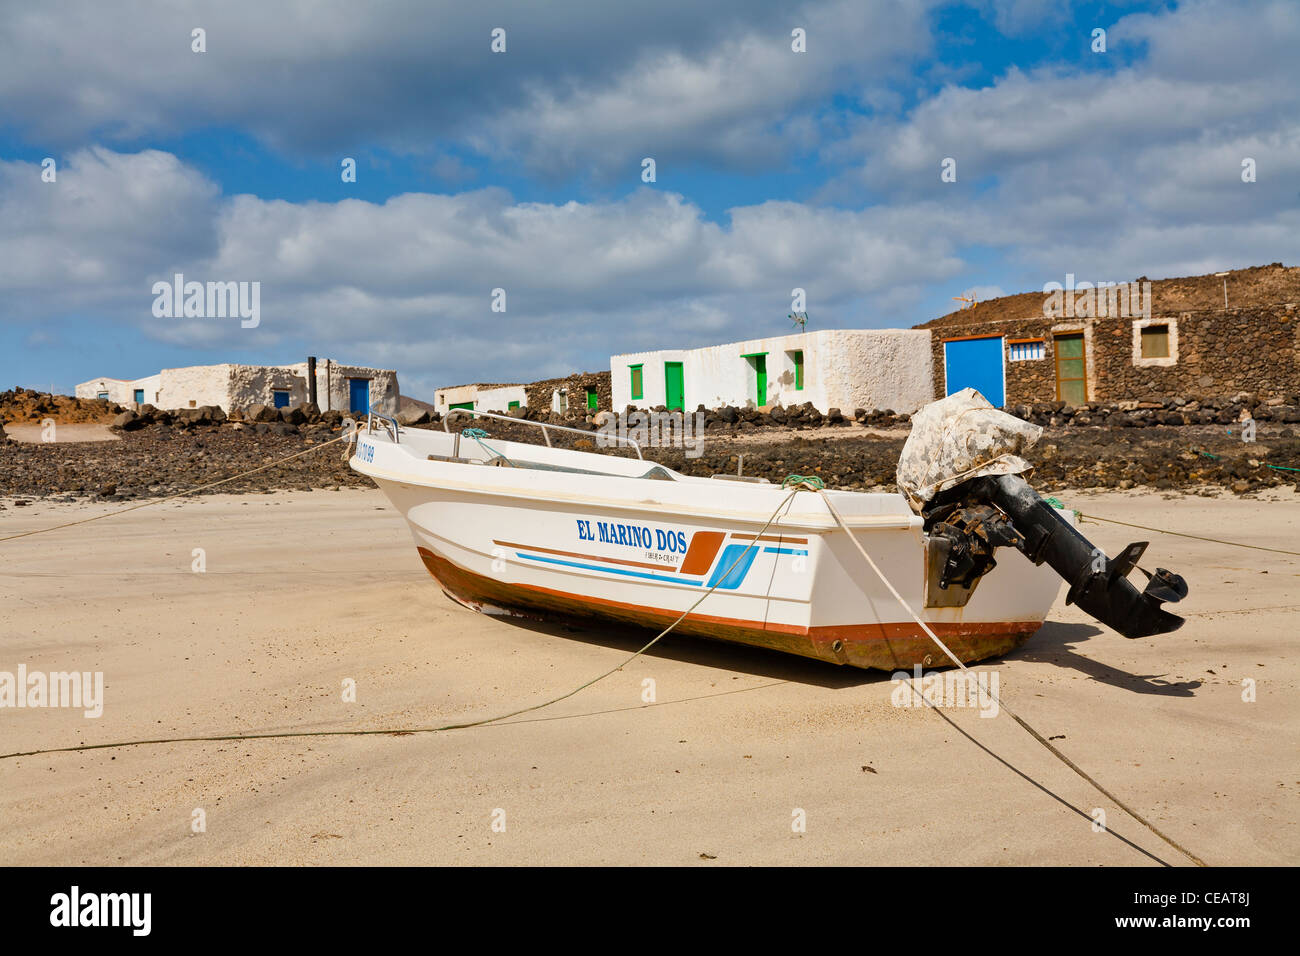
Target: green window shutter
[(636, 381), (512, 405), (798, 370)]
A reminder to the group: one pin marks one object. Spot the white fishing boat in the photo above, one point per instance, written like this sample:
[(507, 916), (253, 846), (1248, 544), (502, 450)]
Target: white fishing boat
[(525, 529)]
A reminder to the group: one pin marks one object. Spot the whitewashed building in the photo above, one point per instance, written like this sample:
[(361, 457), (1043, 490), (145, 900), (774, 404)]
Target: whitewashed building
[(347, 388), (832, 368), (480, 397)]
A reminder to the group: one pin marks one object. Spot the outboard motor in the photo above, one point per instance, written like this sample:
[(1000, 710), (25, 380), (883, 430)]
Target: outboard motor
[(1003, 511), (962, 472)]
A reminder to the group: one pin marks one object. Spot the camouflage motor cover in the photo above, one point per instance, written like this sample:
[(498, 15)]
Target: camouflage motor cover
[(958, 438)]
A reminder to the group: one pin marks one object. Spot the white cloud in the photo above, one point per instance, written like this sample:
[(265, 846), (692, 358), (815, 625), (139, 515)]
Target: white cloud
[(409, 281), (586, 87), (1124, 171)]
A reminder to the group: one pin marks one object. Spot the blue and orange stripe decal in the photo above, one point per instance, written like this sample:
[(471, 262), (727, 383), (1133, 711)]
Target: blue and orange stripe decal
[(701, 556)]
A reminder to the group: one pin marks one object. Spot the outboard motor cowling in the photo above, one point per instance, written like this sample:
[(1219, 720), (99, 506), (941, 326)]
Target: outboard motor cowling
[(961, 470)]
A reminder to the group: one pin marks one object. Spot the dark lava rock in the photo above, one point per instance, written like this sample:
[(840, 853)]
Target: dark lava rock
[(128, 421), (415, 416)]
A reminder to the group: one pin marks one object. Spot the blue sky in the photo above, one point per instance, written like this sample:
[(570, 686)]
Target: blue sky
[(522, 169)]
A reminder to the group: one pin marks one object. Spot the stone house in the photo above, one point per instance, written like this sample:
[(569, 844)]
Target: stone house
[(348, 388), (580, 393), (1108, 358)]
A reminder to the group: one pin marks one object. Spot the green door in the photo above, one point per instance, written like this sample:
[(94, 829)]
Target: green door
[(593, 399), (759, 362), (1071, 370), (674, 386)]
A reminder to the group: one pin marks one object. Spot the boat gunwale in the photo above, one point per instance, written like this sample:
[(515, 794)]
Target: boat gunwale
[(804, 520)]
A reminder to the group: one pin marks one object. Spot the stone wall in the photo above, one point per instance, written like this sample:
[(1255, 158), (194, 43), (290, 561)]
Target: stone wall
[(540, 394), (332, 389), (1214, 352)]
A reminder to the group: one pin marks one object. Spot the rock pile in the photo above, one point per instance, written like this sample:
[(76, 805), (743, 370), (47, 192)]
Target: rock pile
[(28, 406), (303, 419), (1162, 411)]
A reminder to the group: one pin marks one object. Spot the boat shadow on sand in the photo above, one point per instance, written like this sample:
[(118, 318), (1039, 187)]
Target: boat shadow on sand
[(689, 649), (1053, 644)]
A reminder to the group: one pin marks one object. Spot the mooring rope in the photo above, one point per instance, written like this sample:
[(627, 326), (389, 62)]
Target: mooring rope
[(1032, 732), (1181, 534), (180, 494), (425, 730), (796, 483)]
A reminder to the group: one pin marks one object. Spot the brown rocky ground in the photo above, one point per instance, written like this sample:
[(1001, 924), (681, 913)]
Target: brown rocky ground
[(1256, 286), (28, 406), (163, 459)]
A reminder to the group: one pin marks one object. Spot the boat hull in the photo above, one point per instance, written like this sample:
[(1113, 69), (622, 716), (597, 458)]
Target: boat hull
[(768, 571), (895, 646)]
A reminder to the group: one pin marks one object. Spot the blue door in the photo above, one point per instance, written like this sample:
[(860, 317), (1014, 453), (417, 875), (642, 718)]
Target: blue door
[(138, 397), (280, 399), (977, 364), (358, 394)]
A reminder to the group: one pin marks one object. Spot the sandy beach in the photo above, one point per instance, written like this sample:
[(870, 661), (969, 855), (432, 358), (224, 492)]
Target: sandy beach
[(303, 591)]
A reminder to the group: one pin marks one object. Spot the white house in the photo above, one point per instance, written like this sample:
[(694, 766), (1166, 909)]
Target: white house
[(347, 388), (483, 398), (832, 368)]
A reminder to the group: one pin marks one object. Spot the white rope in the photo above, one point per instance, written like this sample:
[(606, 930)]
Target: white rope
[(1035, 734)]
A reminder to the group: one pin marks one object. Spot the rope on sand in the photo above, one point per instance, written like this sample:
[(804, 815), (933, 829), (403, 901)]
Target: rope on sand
[(1181, 534), (984, 689), (426, 730), (796, 483), (180, 494)]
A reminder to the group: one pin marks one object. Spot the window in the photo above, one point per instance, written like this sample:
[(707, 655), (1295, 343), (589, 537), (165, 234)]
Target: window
[(1027, 350), (280, 397), (468, 406), (636, 381), (797, 355), (512, 405), (1155, 341), (593, 399), (103, 395)]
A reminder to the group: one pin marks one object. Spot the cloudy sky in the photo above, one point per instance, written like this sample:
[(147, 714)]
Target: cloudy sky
[(523, 170)]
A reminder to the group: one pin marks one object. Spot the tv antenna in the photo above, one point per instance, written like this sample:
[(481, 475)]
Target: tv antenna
[(800, 320)]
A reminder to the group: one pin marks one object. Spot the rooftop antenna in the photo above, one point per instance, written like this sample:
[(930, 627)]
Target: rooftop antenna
[(800, 320), (968, 299), (1224, 276)]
